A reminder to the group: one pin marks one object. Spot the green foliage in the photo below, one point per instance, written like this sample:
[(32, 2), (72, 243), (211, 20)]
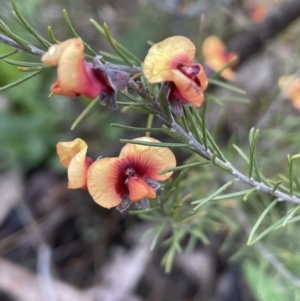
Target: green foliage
[(264, 287)]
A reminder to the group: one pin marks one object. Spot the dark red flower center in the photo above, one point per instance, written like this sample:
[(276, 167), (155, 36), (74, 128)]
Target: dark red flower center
[(191, 72), (128, 167)]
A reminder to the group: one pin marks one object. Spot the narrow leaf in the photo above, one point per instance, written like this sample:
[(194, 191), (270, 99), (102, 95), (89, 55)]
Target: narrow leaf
[(241, 153), (249, 193), (51, 35), (84, 113), (252, 141), (172, 145), (5, 55), (113, 45), (19, 81), (17, 39), (156, 237), (258, 222), (203, 118), (290, 215), (202, 202), (30, 29), (191, 119), (183, 167), (226, 86), (73, 31), (24, 64), (231, 195), (111, 56), (118, 46), (135, 129)]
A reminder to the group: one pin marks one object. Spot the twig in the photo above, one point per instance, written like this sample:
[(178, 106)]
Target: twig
[(8, 41), (279, 266), (200, 149), (34, 50)]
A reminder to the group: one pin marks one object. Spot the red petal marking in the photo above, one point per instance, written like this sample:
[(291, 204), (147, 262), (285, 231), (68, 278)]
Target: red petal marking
[(148, 161)]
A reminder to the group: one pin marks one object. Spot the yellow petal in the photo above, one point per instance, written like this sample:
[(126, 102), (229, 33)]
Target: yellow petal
[(152, 160), (54, 53), (167, 55), (77, 171), (71, 68), (68, 150), (73, 156), (102, 180)]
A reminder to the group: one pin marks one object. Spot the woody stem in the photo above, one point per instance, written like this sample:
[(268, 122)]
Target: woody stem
[(225, 165), (35, 50)]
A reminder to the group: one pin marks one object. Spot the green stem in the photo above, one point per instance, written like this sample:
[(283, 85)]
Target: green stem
[(149, 124), (84, 113)]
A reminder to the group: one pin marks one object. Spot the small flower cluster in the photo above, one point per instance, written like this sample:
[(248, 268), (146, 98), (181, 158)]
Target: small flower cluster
[(131, 177), (134, 175)]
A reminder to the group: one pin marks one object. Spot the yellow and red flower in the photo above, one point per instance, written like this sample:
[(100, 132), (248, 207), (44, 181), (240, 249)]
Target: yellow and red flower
[(172, 61), (77, 77), (72, 155), (216, 57), (119, 181), (289, 85)]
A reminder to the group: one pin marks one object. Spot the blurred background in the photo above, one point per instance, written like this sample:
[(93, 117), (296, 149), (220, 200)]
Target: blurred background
[(57, 244)]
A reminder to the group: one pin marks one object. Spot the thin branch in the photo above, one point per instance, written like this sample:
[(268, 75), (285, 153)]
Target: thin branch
[(34, 50), (200, 149), (8, 41)]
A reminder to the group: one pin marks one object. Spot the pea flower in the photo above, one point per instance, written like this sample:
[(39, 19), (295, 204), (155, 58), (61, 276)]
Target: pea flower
[(131, 177), (172, 60), (72, 155), (119, 181), (216, 57), (289, 85), (77, 77)]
